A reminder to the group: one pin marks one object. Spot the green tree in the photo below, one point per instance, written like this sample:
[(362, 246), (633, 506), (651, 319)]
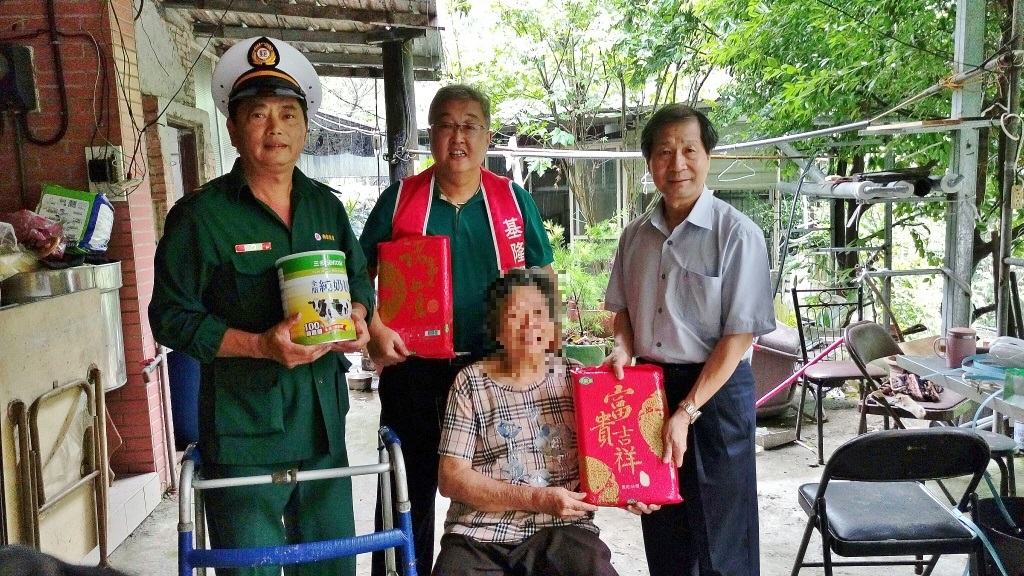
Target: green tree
[(797, 65), (660, 56), (562, 63)]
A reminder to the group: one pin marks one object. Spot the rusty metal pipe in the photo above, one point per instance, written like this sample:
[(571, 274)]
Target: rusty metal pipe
[(102, 464), (33, 422), (90, 477), (165, 402), (19, 414)]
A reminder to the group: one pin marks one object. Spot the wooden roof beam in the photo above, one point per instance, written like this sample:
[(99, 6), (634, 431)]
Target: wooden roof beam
[(356, 60), (309, 10), (288, 35), (292, 35), (368, 72)]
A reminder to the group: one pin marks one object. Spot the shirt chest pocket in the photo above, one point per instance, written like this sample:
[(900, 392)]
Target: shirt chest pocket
[(700, 298), (255, 282)]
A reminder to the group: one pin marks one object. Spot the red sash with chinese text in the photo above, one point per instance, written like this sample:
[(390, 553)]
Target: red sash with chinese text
[(412, 210)]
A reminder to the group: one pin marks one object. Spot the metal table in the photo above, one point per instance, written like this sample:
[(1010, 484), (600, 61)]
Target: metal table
[(934, 368)]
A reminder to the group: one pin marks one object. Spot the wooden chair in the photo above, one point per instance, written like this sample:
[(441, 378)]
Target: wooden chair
[(822, 315), (872, 500)]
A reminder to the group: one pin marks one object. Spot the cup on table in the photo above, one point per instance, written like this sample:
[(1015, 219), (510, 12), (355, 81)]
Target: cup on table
[(957, 344)]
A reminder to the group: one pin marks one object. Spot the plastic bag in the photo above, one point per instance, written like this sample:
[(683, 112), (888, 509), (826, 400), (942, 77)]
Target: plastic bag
[(1007, 352), (41, 235), (8, 239), (17, 262), (87, 218)]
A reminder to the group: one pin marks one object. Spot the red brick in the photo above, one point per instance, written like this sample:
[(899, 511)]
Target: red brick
[(136, 418)]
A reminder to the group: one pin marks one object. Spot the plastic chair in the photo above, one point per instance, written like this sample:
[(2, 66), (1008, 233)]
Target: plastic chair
[(192, 532), (822, 315), (867, 342), (872, 500)]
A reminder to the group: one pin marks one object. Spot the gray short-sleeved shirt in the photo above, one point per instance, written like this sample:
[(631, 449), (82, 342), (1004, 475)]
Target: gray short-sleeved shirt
[(686, 288)]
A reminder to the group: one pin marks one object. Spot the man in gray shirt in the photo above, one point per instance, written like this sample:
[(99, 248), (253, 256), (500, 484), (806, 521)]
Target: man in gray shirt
[(691, 289)]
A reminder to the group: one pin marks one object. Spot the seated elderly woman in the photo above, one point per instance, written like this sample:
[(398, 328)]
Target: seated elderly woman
[(508, 450)]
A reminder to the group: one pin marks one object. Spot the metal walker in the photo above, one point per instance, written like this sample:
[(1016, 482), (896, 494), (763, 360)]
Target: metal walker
[(192, 554)]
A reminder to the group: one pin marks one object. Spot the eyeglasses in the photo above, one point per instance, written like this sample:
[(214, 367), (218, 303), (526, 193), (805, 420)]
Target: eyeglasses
[(451, 128)]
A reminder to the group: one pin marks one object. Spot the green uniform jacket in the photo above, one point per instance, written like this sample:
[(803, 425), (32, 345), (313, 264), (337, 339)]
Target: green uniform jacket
[(474, 264), (252, 411)]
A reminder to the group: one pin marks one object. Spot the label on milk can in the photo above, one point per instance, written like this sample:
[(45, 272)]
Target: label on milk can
[(315, 285)]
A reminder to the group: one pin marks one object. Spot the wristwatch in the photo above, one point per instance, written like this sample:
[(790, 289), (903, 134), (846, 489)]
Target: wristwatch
[(691, 410)]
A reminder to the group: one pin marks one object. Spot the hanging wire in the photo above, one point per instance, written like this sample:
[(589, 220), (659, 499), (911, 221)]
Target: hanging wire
[(140, 131), (62, 94), (789, 227), (876, 31), (376, 122)]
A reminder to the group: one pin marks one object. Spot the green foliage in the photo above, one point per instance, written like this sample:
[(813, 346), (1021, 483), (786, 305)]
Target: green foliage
[(793, 62), (538, 165), (583, 266), (791, 65), (358, 210), (797, 65), (652, 68), (591, 327), (559, 64)]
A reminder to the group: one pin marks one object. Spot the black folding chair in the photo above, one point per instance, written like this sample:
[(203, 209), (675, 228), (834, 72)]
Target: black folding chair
[(822, 314), (872, 501)]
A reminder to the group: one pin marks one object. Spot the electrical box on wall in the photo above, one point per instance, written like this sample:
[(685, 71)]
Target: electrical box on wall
[(17, 79), (106, 171)]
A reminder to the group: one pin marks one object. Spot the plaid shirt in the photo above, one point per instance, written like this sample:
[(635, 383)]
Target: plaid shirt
[(522, 436)]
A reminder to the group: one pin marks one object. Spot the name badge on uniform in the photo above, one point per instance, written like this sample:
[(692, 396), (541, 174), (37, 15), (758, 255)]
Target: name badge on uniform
[(254, 247)]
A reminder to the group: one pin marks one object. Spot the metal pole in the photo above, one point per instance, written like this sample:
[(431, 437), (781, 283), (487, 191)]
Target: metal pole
[(968, 53), (1009, 179)]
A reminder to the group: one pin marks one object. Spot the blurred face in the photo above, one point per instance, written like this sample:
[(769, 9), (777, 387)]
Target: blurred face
[(679, 163), (459, 137), (527, 328), (269, 132)]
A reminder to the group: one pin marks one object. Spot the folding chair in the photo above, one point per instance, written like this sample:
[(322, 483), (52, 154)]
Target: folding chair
[(38, 499), (867, 342), (822, 314), (192, 521), (872, 501)]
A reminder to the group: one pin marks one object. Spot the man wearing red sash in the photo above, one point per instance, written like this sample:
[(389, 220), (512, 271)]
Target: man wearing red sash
[(492, 226)]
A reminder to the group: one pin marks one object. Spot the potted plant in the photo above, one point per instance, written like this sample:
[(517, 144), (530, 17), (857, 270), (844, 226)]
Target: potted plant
[(583, 267), (587, 340)]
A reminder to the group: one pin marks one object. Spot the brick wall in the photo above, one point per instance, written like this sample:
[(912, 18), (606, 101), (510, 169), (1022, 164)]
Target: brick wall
[(136, 407), (64, 162), (157, 170)]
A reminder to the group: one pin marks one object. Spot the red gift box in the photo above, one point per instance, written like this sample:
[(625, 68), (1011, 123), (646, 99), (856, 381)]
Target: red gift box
[(414, 293), (618, 432)]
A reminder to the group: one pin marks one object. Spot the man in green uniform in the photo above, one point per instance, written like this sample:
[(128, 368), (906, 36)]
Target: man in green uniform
[(413, 391), (266, 404)]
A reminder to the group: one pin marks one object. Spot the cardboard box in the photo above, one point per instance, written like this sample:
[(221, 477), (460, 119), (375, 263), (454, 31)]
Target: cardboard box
[(414, 293), (618, 431)]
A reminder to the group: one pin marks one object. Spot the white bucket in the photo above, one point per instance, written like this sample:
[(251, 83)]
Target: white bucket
[(315, 285)]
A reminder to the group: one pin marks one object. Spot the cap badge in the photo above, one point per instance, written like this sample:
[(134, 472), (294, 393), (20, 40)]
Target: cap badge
[(263, 53)]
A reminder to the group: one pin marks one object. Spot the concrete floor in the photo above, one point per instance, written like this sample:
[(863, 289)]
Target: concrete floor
[(151, 550)]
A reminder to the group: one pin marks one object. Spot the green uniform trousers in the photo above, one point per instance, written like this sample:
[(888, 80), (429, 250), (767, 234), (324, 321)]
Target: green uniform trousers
[(251, 516)]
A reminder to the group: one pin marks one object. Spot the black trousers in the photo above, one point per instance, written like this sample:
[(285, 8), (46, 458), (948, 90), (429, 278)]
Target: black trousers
[(714, 532), (413, 395), (561, 551)]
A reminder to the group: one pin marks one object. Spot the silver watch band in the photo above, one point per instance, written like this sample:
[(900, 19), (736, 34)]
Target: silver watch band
[(691, 410)]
